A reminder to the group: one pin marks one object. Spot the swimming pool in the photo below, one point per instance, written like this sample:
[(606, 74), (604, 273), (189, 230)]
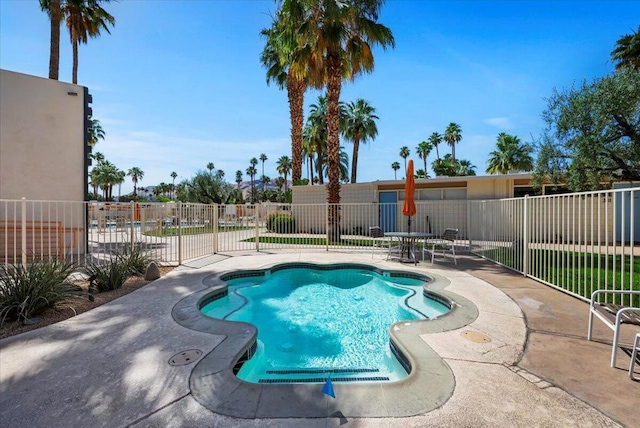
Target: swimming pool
[(314, 321)]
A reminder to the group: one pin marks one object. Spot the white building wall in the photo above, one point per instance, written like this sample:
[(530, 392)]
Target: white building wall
[(41, 138)]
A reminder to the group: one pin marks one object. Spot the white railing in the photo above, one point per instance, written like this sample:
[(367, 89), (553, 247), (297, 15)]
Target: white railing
[(578, 242)]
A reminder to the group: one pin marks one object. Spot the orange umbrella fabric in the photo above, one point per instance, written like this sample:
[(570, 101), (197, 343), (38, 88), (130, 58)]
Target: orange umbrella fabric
[(409, 208)]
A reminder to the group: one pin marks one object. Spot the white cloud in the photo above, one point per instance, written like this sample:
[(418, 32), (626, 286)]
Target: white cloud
[(500, 122)]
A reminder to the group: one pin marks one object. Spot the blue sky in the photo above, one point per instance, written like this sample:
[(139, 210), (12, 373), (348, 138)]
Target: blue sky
[(178, 84)]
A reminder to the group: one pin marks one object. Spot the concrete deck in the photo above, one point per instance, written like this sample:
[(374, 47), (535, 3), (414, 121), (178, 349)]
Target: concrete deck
[(109, 366)]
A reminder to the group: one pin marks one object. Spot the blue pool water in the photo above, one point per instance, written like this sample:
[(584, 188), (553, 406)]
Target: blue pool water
[(317, 322)]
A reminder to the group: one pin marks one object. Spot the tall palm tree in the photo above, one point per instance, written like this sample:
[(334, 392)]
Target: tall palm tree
[(423, 150), (211, 167), (315, 132), (360, 126), (85, 19), (435, 139), (453, 135), (283, 166), (251, 172), (263, 159), (173, 182), (287, 68), (54, 10), (509, 155), (120, 175), (95, 132), (626, 54), (338, 37), (465, 168), (308, 150), (404, 154), (98, 157), (344, 166), (238, 178), (136, 175), (395, 166)]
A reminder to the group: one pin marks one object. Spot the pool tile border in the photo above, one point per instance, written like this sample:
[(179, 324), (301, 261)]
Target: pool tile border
[(429, 385)]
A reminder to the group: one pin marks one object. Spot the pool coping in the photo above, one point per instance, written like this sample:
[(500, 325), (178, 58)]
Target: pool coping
[(429, 385)]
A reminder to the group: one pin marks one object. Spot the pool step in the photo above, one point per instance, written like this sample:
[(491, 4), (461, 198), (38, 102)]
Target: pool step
[(324, 379), (321, 371)]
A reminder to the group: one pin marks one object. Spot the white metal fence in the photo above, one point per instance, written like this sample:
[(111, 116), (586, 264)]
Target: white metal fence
[(577, 242)]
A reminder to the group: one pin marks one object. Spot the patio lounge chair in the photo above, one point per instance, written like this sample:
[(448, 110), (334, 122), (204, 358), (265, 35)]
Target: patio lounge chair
[(613, 316), (443, 243), (379, 240)]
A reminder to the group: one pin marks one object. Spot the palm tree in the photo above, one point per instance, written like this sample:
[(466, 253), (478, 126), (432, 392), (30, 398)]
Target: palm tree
[(395, 166), (136, 175), (54, 10), (338, 38), (85, 19), (98, 157), (423, 150), (210, 167), (453, 135), (286, 67), (263, 158), (283, 166), (251, 172), (626, 54), (173, 182), (465, 168), (404, 154), (360, 126), (344, 166), (120, 175), (420, 173), (315, 132), (238, 178), (435, 139), (95, 132), (308, 150), (509, 155)]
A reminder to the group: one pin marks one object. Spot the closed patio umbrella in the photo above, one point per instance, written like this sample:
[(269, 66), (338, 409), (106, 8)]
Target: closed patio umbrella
[(409, 208)]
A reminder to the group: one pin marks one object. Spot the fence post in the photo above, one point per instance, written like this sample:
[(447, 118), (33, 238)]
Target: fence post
[(255, 219), (24, 231), (131, 223), (215, 229), (469, 223), (326, 225), (525, 236), (179, 233)]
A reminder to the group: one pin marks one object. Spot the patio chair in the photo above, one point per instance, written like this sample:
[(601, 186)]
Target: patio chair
[(379, 239), (613, 316), (442, 243)]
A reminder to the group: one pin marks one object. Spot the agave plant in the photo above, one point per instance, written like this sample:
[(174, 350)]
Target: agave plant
[(26, 291), (109, 276)]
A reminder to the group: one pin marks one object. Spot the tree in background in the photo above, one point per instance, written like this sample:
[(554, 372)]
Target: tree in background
[(423, 150), (308, 151), (173, 183), (593, 133), (344, 166), (251, 172), (510, 154), (404, 154), (54, 10), (211, 167), (420, 173), (360, 126), (435, 139), (626, 54), (136, 175), (447, 167), (206, 188), (283, 166), (395, 166), (263, 159), (84, 19), (453, 135), (238, 178)]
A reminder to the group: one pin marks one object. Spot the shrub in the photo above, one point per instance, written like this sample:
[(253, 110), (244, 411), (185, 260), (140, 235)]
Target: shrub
[(27, 291), (136, 260), (110, 276), (281, 223)]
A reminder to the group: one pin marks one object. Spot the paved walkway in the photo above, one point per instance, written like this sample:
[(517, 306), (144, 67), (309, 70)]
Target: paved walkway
[(109, 366)]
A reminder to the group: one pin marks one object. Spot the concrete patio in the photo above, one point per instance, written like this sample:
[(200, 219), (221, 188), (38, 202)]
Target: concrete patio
[(109, 366)]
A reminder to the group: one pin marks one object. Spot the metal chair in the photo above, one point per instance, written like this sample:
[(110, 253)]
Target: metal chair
[(613, 316), (444, 243), (378, 238)]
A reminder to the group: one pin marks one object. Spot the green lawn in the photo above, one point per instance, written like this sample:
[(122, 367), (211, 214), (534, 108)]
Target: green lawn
[(574, 271), (193, 230), (290, 240)]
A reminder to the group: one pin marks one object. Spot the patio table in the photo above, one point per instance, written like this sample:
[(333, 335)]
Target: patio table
[(407, 243)]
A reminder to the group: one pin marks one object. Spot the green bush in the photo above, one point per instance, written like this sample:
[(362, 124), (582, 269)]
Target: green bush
[(109, 276), (281, 223), (27, 291), (136, 260)]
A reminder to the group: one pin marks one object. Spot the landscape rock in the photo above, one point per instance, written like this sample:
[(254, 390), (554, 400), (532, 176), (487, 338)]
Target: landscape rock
[(152, 272)]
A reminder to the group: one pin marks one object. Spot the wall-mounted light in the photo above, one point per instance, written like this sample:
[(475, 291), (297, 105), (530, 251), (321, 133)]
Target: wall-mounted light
[(73, 94)]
